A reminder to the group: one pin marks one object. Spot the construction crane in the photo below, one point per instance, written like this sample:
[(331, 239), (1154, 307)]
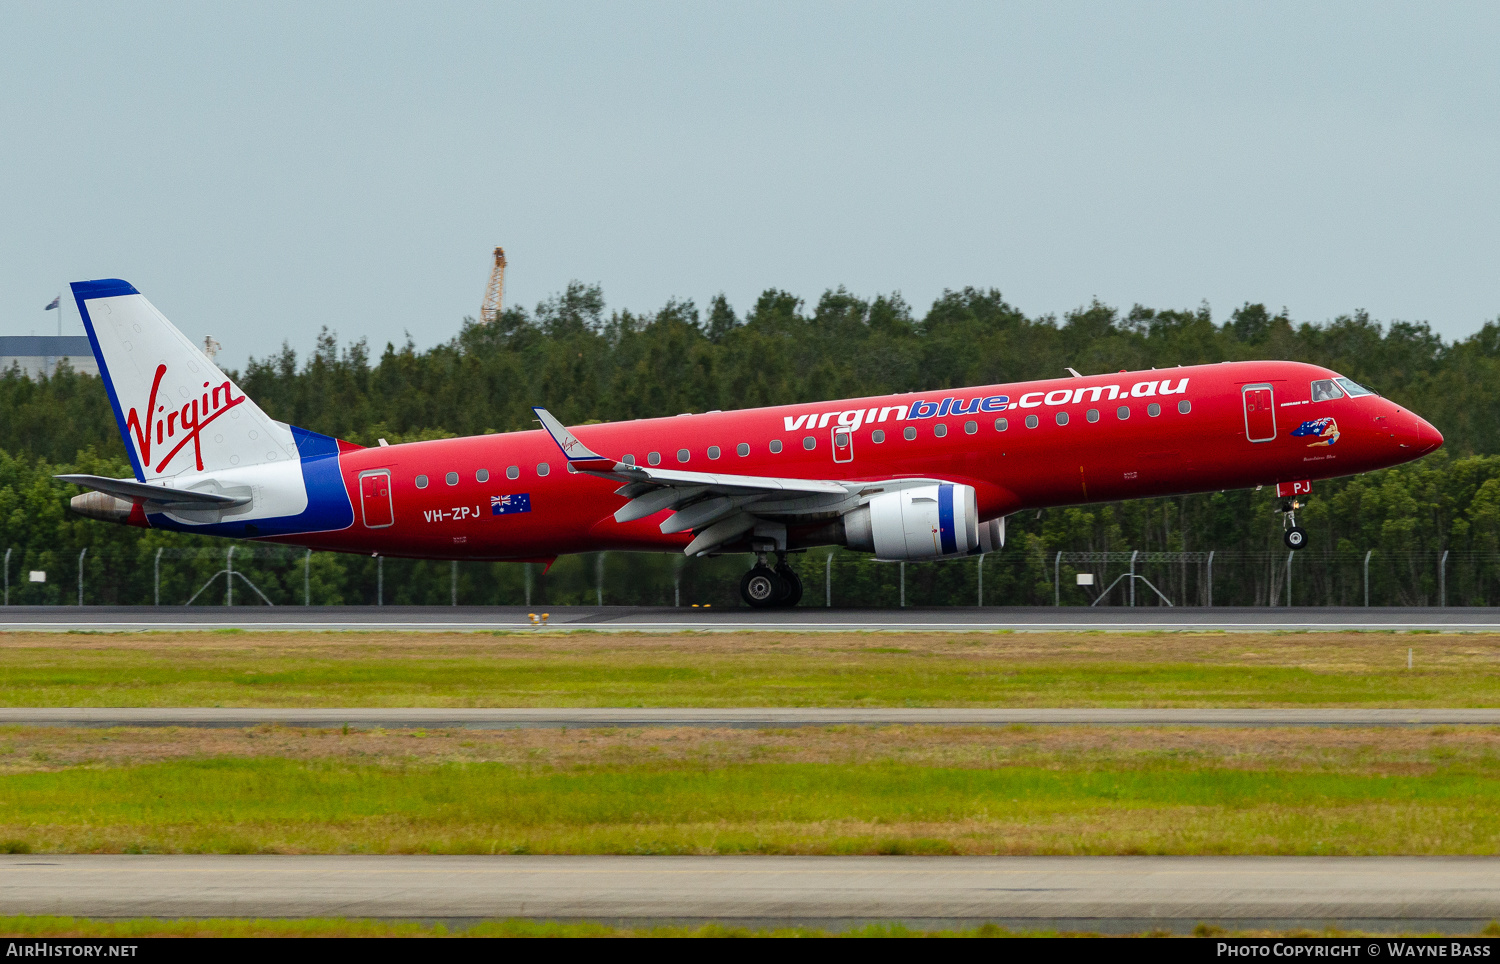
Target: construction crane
[(494, 295)]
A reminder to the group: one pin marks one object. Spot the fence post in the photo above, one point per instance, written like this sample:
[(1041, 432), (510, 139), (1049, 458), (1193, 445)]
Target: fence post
[(7, 577), (677, 581), (528, 582), (1133, 554), (1057, 580), (902, 566), (229, 577), (1289, 557), (1211, 578), (828, 582), (599, 580), (455, 582), (980, 600), (1443, 579), (379, 580), (307, 579), (1367, 575), (156, 580), (81, 554)]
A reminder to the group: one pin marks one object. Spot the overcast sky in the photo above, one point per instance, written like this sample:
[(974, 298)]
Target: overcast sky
[(261, 170)]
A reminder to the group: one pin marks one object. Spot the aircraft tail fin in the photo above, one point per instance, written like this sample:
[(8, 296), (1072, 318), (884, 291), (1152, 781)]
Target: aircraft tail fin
[(178, 412)]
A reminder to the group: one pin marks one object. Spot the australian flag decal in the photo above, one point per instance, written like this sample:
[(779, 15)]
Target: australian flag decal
[(507, 504)]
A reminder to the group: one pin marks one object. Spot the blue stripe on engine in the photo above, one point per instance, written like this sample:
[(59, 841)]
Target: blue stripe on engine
[(945, 518)]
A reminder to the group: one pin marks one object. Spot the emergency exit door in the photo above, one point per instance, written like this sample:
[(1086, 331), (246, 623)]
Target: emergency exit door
[(843, 444), (375, 498), (1260, 413)]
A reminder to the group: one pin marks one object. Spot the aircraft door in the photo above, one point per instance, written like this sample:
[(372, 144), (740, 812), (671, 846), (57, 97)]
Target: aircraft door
[(843, 444), (375, 498), (1260, 413)]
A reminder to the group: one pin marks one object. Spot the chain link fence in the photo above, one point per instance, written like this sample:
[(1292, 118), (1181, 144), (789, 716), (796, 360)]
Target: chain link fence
[(258, 574)]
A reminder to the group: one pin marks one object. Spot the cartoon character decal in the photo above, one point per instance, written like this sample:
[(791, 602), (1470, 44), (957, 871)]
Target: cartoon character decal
[(1325, 431)]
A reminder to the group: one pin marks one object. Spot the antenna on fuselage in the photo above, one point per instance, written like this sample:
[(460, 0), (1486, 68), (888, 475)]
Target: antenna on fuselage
[(1074, 373)]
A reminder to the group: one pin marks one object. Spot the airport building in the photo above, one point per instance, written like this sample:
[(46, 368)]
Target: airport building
[(38, 355)]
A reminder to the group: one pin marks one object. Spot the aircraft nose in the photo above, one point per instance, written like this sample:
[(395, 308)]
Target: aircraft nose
[(1428, 437)]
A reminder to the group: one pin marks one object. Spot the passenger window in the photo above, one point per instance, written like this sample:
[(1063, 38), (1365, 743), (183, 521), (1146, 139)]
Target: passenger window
[(1325, 390), (1153, 409), (1093, 415), (940, 430), (421, 481), (654, 458), (513, 472), (542, 468), (1123, 412), (775, 446), (1062, 418), (910, 433), (682, 455), (628, 459), (483, 475), (1184, 406), (713, 452), (743, 449), (971, 427), (809, 443), (877, 436), (1001, 424), (1032, 421), (451, 478)]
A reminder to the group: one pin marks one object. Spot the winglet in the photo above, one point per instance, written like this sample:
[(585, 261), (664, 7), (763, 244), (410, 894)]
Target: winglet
[(572, 449)]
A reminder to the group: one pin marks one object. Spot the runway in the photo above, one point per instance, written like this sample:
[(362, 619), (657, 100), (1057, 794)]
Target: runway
[(803, 619), (736, 717), (1111, 894)]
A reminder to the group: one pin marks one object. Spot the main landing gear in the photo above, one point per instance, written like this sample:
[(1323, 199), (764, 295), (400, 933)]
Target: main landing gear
[(765, 587), (1294, 535)]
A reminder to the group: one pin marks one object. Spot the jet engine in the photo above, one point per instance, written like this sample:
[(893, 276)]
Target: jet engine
[(936, 521)]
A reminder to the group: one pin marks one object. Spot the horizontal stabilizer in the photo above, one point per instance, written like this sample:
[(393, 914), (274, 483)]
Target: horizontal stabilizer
[(158, 496)]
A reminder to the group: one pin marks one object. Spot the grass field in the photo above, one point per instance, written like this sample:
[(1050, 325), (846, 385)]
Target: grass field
[(339, 927), (760, 669), (936, 790)]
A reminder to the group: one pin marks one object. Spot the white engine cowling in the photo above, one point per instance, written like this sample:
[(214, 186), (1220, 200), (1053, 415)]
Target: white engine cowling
[(936, 521)]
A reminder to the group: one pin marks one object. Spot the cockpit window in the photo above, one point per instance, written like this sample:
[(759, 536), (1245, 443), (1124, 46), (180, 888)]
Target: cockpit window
[(1325, 389), (1352, 388)]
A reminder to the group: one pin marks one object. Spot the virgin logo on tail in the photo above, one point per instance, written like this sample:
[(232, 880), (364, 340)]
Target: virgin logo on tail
[(180, 426)]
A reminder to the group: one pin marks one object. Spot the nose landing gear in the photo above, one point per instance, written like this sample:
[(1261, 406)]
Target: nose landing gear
[(1294, 535), (764, 587)]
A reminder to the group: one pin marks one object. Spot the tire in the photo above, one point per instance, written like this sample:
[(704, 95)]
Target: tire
[(761, 588), (793, 584), (1295, 538)]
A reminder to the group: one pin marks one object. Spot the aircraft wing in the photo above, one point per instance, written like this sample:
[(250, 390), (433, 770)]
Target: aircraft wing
[(158, 497), (717, 508)]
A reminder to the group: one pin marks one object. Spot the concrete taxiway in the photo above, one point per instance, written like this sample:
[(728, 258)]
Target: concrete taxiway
[(738, 717), (803, 619), (1449, 894)]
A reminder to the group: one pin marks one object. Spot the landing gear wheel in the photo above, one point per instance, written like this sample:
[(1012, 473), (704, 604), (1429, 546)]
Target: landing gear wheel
[(762, 588), (1295, 537), (793, 584)]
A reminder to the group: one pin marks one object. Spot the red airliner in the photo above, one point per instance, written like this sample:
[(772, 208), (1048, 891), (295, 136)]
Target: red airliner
[(926, 475)]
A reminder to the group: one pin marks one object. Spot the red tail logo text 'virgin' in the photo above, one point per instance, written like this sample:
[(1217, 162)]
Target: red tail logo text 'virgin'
[(179, 426)]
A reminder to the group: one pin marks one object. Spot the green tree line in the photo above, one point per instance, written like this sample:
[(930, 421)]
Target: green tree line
[(586, 363)]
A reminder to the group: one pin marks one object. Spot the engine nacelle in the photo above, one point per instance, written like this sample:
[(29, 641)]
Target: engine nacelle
[(936, 521)]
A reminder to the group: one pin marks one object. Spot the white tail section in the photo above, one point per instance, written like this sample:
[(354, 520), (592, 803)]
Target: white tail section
[(178, 412)]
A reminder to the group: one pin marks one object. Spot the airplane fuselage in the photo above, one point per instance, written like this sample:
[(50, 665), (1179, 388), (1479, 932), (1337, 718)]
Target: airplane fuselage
[(1027, 445)]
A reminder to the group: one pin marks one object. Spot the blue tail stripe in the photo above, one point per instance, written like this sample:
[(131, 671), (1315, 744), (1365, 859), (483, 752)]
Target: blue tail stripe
[(945, 518), (83, 291)]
